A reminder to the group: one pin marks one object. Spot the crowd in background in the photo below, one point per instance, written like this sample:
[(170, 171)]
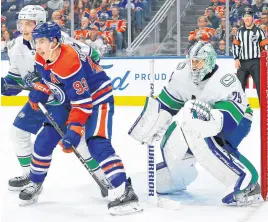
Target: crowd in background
[(211, 26), (101, 24)]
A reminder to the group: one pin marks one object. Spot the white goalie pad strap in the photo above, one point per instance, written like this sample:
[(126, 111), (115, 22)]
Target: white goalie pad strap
[(152, 122)]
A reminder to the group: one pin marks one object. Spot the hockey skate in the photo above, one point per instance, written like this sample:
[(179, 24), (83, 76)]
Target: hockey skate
[(126, 204), (250, 195), (29, 195), (18, 183)]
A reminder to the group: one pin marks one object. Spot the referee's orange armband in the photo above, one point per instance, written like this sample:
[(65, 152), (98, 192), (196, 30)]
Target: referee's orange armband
[(236, 42)]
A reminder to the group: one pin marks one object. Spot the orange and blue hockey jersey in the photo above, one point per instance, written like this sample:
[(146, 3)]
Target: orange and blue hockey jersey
[(76, 80)]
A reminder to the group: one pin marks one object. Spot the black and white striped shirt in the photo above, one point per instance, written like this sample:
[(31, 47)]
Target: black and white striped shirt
[(248, 43)]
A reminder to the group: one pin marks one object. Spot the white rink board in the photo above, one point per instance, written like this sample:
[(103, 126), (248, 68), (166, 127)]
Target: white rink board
[(130, 77)]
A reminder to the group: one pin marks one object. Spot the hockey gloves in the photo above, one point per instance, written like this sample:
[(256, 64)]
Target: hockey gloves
[(41, 94), (72, 137)]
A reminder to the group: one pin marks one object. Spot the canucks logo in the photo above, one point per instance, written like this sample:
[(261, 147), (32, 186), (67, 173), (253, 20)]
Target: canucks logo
[(58, 95)]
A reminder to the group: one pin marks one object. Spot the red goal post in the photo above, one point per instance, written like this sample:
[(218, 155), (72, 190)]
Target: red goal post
[(264, 122)]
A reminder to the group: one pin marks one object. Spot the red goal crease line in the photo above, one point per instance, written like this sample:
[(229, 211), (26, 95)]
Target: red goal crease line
[(119, 101)]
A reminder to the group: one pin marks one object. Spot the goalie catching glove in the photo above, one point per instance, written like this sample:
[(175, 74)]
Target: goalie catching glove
[(199, 120), (152, 122)]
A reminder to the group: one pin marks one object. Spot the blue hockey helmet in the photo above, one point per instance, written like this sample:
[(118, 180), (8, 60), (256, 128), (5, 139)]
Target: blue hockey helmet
[(48, 30)]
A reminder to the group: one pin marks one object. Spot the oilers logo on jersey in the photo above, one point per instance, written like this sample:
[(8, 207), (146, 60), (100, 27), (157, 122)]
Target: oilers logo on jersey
[(58, 93)]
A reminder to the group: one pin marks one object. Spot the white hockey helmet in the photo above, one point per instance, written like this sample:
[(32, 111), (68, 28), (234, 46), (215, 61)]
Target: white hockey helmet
[(33, 12)]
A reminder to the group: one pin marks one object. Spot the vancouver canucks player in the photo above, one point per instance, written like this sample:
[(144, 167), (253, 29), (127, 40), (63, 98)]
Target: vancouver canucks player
[(212, 117), (22, 72)]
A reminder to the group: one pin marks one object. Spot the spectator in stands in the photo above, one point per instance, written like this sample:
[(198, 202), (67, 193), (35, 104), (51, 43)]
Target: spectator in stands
[(12, 8), (55, 15), (237, 10), (91, 4), (119, 26), (136, 14), (104, 10), (83, 31), (220, 32), (3, 44), (264, 19), (65, 12), (233, 32), (7, 38), (106, 33), (215, 3), (213, 19), (265, 29), (3, 27), (96, 42), (80, 9), (55, 4), (221, 48), (218, 8), (93, 20), (63, 27), (258, 8), (202, 33), (265, 9)]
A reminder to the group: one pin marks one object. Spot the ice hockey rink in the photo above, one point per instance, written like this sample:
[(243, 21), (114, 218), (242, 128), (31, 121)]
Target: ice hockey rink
[(70, 193)]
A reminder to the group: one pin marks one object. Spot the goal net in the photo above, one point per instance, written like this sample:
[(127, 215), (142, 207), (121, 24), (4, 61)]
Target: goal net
[(264, 123)]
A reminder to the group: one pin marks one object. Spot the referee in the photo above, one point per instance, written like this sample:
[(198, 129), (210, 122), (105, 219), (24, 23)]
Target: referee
[(247, 46)]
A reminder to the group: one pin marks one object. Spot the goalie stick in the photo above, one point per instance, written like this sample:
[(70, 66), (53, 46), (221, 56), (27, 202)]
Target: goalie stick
[(151, 166), (104, 190)]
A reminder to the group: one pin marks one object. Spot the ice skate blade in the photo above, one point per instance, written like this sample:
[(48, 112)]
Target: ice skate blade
[(29, 202), (15, 189), (126, 209)]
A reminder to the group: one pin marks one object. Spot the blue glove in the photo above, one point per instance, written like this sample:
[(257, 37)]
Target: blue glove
[(30, 78), (36, 96), (72, 137), (8, 92)]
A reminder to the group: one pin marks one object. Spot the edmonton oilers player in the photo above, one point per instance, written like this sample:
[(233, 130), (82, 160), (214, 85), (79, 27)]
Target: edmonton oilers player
[(84, 86), (22, 72), (212, 117)]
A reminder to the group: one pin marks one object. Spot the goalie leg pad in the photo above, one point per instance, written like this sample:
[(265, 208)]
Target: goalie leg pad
[(153, 121), (178, 169), (179, 179)]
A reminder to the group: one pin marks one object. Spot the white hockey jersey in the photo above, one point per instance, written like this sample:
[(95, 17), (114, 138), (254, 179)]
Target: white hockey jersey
[(22, 56), (219, 89)]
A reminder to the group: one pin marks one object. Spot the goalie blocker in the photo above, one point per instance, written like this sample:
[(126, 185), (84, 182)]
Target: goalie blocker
[(187, 141)]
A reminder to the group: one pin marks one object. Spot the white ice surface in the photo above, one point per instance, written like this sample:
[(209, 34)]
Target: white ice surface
[(71, 195)]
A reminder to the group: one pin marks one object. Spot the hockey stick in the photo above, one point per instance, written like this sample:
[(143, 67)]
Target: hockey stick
[(151, 166), (104, 190), (102, 187), (18, 87)]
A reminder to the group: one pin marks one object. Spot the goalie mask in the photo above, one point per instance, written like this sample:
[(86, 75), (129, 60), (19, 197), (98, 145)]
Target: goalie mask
[(202, 59)]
